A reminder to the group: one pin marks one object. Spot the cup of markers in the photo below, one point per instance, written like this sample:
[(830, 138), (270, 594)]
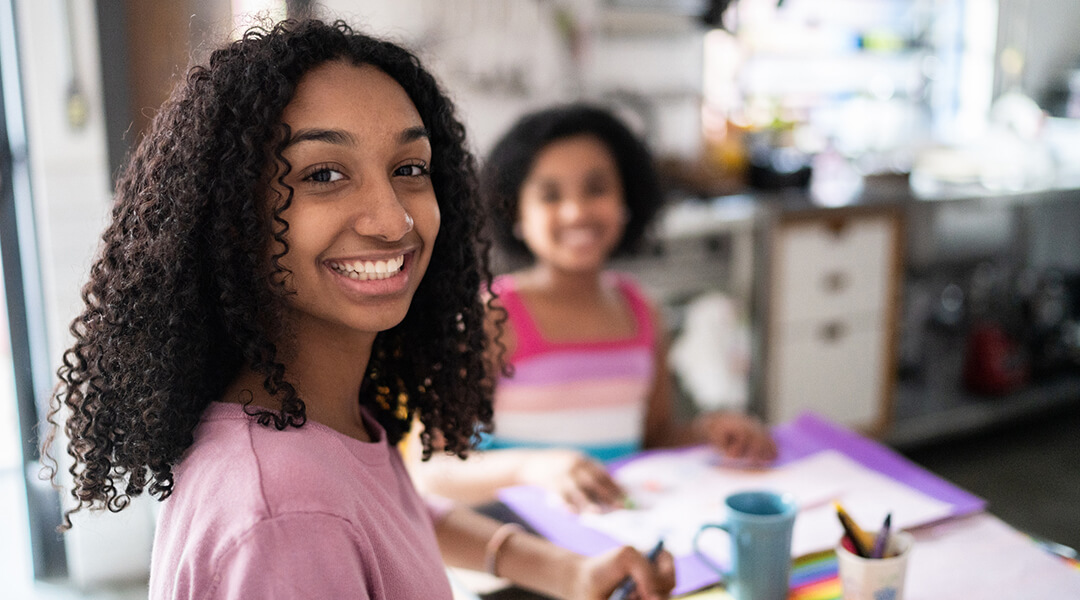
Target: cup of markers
[(872, 564)]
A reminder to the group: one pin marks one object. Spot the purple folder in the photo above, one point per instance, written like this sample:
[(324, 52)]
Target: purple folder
[(800, 438)]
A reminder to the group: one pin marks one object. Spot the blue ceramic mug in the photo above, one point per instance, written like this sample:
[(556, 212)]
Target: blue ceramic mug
[(759, 524)]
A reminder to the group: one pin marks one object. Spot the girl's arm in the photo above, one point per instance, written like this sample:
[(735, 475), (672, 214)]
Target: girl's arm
[(532, 562), (661, 429), (737, 435), (478, 479), (581, 481), (473, 481)]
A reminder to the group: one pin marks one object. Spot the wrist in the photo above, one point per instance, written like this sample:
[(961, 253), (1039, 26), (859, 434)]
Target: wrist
[(528, 465), (699, 427), (544, 466), (571, 569), (496, 545)]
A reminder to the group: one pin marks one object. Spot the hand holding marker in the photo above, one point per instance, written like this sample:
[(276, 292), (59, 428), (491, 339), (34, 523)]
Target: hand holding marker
[(628, 585)]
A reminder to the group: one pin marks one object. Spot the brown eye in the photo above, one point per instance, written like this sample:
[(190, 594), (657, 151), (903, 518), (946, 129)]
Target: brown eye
[(325, 175), (597, 184), (549, 194), (596, 189), (414, 170)]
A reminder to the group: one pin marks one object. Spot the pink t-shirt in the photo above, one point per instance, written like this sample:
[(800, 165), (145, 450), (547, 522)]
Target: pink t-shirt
[(299, 513)]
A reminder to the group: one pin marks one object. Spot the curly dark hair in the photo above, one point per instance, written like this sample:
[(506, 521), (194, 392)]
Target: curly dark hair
[(183, 294), (511, 159)]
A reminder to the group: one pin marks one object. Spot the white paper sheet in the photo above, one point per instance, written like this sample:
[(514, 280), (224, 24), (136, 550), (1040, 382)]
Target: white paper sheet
[(673, 494)]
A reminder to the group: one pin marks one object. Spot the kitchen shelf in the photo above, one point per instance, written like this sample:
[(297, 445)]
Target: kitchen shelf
[(926, 415)]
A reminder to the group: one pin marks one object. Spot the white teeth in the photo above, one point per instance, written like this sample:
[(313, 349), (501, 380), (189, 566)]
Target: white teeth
[(576, 237), (363, 270)]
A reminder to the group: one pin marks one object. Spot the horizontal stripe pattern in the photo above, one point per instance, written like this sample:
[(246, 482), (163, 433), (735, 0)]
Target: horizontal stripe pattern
[(600, 453), (572, 395), (578, 426), (573, 366), (590, 396)]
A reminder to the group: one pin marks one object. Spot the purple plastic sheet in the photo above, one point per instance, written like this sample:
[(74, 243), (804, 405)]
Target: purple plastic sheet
[(806, 435)]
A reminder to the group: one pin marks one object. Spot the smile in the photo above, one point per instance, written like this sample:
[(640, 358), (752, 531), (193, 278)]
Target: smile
[(364, 270), (580, 235)]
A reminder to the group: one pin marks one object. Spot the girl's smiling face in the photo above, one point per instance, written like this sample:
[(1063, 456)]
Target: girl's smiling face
[(571, 212), (363, 217)]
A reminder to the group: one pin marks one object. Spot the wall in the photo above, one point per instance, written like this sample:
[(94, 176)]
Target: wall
[(500, 59), (1044, 31), (69, 179)]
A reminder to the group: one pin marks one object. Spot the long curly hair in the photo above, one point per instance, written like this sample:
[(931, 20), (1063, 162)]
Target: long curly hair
[(511, 159), (184, 295)]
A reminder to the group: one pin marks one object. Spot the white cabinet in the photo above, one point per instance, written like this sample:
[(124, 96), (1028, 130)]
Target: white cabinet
[(831, 304)]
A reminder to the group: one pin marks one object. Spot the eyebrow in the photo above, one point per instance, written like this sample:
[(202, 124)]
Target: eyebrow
[(414, 133), (328, 136), (339, 137)]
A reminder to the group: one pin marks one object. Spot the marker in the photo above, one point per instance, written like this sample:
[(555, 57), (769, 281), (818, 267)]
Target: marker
[(864, 544), (628, 585), (848, 545), (882, 540)]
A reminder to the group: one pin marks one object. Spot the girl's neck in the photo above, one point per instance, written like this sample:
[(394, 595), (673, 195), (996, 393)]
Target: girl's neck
[(566, 284), (327, 369), (575, 307)]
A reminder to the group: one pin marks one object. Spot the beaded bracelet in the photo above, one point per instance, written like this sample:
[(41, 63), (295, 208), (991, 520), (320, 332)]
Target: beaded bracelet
[(497, 541)]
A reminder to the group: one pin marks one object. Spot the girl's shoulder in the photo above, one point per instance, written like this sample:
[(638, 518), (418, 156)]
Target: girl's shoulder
[(506, 283), (626, 281), (230, 445), (646, 312), (630, 287), (509, 290)]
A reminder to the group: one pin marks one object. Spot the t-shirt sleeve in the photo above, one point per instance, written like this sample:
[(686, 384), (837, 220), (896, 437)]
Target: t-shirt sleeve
[(295, 556), (438, 506)]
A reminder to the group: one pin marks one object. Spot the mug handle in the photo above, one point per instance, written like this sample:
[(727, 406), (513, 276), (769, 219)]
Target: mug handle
[(702, 556)]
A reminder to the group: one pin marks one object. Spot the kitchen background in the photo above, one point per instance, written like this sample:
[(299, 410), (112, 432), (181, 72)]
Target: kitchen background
[(914, 165)]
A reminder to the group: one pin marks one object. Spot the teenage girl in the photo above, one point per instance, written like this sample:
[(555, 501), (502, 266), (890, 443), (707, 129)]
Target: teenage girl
[(291, 274), (569, 187)]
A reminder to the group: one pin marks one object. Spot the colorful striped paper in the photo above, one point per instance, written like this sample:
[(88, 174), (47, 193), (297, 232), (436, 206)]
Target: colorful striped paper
[(815, 577)]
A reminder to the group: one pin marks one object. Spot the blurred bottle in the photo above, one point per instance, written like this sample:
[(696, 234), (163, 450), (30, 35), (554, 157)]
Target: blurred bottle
[(726, 151)]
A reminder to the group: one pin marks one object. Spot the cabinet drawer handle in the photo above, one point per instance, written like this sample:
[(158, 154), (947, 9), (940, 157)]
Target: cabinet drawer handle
[(835, 281), (833, 331)]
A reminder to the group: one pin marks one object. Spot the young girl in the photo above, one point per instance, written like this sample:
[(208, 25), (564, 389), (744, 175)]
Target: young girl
[(291, 273), (569, 187)]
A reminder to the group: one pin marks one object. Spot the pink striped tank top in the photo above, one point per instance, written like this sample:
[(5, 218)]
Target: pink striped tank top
[(588, 395)]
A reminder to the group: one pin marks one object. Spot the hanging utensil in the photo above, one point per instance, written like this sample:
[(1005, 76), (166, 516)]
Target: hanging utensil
[(76, 104)]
